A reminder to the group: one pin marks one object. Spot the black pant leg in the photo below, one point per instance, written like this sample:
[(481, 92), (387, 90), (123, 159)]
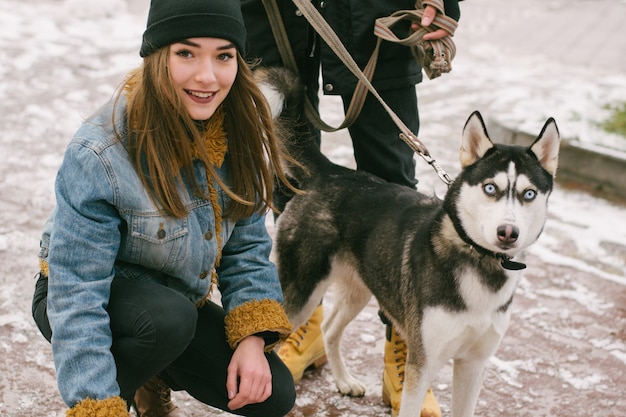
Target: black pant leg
[(151, 326), (40, 307), (378, 148)]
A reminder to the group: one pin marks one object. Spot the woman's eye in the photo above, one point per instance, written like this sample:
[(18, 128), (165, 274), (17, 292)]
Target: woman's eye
[(490, 189), (225, 56), (530, 195), (184, 53)]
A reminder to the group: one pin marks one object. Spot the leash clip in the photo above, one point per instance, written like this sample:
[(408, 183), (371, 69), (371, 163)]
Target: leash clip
[(443, 175), (419, 148)]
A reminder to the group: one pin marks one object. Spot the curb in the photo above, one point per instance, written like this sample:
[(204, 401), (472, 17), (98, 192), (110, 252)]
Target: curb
[(601, 172)]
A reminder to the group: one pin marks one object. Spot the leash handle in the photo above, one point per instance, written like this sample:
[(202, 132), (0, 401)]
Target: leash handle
[(435, 56)]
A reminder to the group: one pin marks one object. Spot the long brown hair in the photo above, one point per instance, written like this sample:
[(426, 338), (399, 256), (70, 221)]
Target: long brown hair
[(161, 138)]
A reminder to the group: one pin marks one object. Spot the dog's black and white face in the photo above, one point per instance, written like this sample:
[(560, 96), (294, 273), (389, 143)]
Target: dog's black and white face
[(501, 196)]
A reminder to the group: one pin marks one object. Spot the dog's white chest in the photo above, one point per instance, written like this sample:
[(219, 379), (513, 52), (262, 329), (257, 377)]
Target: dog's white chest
[(450, 334), (476, 330), (479, 298)]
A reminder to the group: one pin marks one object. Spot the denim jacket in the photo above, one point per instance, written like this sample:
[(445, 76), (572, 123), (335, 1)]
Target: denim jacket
[(105, 225)]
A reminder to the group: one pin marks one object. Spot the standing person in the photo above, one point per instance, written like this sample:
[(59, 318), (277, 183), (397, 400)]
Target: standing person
[(161, 196), (377, 146)]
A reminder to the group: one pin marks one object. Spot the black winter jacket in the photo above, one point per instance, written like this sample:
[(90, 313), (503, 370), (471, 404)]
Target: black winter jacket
[(353, 21)]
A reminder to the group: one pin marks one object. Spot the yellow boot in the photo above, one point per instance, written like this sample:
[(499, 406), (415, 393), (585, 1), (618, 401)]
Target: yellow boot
[(393, 377), (305, 346)]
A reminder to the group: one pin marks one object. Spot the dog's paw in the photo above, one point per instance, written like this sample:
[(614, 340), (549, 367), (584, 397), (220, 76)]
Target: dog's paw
[(352, 387)]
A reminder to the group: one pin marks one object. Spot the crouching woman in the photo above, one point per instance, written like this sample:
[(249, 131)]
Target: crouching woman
[(161, 197)]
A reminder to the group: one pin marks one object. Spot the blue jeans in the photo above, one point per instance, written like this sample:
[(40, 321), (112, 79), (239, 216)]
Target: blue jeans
[(158, 331)]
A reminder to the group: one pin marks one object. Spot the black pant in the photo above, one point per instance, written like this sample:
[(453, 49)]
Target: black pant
[(378, 148), (156, 330)]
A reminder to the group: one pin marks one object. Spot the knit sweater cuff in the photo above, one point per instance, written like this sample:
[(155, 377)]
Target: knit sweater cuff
[(255, 317), (111, 407)]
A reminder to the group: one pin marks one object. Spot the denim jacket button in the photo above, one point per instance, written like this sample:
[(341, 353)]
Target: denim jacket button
[(208, 235), (161, 234), (203, 275)]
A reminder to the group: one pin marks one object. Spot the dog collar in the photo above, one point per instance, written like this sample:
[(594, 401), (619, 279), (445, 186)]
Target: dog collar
[(505, 260)]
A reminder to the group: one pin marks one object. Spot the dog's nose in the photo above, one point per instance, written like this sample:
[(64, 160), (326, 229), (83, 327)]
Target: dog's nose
[(508, 233)]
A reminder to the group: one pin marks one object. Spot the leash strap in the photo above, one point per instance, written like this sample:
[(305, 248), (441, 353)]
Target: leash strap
[(319, 23), (383, 31), (322, 27), (330, 37), (286, 54)]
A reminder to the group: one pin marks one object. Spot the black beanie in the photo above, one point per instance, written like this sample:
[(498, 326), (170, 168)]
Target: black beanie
[(170, 21)]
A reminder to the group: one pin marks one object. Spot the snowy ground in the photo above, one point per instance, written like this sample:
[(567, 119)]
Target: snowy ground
[(565, 352)]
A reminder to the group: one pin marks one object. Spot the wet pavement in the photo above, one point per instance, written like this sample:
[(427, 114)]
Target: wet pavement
[(565, 351)]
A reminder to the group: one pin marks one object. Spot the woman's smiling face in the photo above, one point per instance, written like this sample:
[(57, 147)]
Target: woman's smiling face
[(202, 71)]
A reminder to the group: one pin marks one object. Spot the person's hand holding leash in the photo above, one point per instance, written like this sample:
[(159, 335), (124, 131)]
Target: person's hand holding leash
[(427, 18)]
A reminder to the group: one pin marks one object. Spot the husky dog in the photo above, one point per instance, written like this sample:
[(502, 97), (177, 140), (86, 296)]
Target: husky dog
[(443, 270)]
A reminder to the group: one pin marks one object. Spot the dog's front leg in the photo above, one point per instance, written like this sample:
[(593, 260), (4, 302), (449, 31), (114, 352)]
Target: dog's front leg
[(416, 381), (468, 369), (466, 384)]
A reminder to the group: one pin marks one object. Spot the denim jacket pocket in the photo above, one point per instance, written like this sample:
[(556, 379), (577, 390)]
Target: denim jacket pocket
[(156, 242)]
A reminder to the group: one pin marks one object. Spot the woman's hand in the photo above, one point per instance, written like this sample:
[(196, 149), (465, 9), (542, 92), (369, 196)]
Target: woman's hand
[(249, 379)]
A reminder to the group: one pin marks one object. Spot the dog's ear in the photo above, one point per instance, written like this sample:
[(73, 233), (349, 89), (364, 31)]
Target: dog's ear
[(475, 141), (546, 146)]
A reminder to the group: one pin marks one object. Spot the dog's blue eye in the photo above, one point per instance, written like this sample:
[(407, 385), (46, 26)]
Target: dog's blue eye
[(490, 189), (529, 195)]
